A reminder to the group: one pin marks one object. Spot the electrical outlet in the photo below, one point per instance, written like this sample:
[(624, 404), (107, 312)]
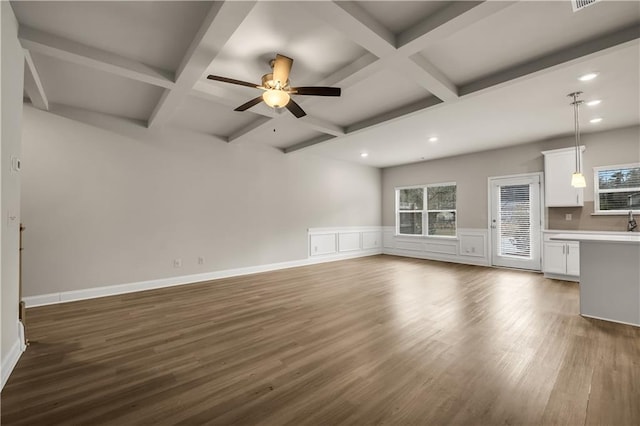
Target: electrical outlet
[(177, 263), (568, 216), (200, 260)]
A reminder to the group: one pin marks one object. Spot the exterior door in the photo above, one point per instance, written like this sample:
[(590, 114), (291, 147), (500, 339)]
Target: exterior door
[(515, 221)]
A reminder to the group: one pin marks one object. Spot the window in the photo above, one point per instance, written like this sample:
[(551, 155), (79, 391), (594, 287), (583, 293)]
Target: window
[(426, 210), (617, 189)]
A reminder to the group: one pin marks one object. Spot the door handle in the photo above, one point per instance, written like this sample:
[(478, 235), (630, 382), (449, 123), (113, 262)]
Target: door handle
[(563, 247), (568, 248)]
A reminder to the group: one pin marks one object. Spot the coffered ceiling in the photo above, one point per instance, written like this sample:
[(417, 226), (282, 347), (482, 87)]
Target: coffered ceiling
[(476, 75)]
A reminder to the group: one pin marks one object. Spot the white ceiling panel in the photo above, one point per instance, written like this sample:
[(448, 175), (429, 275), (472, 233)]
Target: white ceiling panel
[(523, 32), (283, 132), (210, 118), (532, 109), (398, 16), (87, 88), (382, 92), (155, 33)]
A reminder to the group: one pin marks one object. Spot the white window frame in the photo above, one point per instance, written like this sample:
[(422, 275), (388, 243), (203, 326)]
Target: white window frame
[(597, 191), (425, 211)]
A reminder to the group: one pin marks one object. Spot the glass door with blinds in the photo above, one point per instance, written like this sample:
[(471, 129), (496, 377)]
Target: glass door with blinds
[(516, 222)]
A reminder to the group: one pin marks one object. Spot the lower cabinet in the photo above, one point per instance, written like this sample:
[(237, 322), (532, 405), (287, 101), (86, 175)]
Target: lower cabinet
[(561, 258)]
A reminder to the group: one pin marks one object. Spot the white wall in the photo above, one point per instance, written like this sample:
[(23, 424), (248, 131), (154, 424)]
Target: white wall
[(11, 92), (102, 208), (472, 170)]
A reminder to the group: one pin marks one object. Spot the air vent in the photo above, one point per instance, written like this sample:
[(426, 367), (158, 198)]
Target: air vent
[(581, 4)]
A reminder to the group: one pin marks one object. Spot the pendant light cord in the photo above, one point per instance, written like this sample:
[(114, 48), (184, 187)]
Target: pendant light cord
[(576, 103)]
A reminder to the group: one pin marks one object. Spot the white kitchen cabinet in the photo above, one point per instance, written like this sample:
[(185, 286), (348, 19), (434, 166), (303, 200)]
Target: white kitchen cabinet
[(559, 165), (561, 258)]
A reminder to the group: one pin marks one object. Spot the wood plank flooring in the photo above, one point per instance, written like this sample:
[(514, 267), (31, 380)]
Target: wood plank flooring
[(377, 340)]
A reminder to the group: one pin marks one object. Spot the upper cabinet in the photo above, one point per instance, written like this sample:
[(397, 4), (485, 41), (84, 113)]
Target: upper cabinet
[(559, 165)]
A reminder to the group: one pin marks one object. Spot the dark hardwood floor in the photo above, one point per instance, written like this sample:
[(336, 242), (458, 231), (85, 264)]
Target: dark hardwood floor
[(377, 340)]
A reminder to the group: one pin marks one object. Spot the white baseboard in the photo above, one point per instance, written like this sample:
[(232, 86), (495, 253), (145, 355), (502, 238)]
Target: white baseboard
[(562, 277), (11, 359), (91, 293), (437, 257)]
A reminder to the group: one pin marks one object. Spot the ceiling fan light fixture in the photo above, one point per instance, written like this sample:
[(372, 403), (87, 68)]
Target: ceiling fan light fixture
[(276, 98)]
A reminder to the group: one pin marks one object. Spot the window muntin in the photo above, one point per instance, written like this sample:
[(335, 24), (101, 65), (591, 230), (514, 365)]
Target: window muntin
[(428, 210), (617, 188)]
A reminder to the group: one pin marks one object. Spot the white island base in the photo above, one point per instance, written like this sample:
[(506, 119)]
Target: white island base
[(609, 276)]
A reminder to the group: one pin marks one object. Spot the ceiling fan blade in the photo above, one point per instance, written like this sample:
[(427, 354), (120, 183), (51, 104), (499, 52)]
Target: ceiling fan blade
[(317, 91), (232, 81), (252, 102), (295, 109), (281, 69)]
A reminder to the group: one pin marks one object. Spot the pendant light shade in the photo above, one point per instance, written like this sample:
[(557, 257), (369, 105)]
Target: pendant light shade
[(577, 179)]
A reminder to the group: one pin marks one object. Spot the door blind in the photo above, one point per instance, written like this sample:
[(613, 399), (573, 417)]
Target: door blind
[(514, 224)]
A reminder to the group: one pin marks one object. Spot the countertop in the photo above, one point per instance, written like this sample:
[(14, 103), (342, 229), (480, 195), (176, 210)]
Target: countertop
[(586, 231), (613, 237)]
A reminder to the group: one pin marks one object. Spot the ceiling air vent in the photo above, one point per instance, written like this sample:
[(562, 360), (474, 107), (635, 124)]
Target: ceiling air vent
[(581, 4)]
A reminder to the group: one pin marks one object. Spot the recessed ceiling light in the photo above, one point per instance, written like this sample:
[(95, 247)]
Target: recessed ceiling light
[(594, 102), (588, 77), (364, 155), (595, 120), (433, 139)]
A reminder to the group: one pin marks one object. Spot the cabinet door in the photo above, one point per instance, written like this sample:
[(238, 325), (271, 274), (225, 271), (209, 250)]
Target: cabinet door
[(558, 168), (573, 258), (554, 258)]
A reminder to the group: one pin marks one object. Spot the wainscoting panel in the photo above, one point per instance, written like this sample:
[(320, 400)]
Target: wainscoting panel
[(322, 244), (363, 240), (473, 243), (349, 241), (470, 246), (371, 239)]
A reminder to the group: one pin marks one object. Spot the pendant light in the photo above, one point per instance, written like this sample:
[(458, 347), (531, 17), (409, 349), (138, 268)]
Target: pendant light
[(577, 179)]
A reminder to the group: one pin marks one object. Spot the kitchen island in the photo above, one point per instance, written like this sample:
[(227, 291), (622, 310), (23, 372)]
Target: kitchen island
[(609, 275)]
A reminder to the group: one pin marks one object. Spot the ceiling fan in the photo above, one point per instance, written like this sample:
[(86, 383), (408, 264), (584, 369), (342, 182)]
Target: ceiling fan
[(277, 90)]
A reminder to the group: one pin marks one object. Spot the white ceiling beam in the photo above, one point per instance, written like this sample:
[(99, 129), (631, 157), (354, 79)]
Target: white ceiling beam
[(306, 144), (322, 126), (448, 21), (78, 53), (33, 85), (427, 75), (253, 127), (219, 25), (357, 24)]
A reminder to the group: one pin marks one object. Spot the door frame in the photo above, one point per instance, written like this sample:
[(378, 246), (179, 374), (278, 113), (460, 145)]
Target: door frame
[(543, 218)]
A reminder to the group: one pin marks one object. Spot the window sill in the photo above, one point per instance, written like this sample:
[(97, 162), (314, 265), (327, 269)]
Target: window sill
[(615, 213)]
